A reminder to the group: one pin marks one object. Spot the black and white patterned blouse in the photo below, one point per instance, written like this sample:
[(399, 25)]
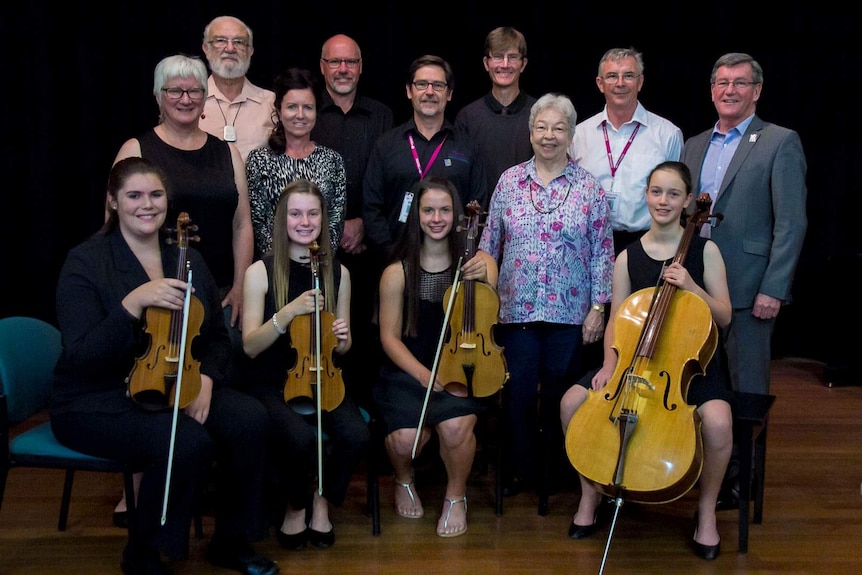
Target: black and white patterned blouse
[(268, 173)]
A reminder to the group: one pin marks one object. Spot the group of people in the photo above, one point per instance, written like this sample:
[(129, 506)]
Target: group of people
[(309, 201)]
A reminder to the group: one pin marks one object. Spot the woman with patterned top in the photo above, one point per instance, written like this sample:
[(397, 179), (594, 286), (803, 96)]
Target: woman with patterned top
[(290, 155), (549, 230)]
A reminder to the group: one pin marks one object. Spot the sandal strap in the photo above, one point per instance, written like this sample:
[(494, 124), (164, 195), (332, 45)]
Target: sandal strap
[(409, 487), (462, 499)]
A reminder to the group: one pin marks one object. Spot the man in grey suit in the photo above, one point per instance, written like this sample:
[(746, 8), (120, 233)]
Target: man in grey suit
[(754, 172)]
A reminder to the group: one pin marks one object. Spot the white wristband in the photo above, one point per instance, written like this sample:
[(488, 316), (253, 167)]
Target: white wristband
[(277, 327)]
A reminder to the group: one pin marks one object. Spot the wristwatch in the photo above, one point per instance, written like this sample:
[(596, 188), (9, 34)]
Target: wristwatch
[(599, 307)]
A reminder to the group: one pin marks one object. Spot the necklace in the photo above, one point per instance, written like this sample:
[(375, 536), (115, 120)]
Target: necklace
[(555, 208)]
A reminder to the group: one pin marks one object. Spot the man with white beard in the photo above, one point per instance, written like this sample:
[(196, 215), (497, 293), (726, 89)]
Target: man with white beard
[(235, 110)]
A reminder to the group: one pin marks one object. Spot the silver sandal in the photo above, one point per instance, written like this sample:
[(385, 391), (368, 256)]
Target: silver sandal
[(409, 488), (452, 502)]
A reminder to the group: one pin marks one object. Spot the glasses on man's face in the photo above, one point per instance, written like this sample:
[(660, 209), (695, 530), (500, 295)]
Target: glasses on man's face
[(500, 58), (422, 85), (613, 77), (334, 63), (177, 93), (221, 42), (738, 84)]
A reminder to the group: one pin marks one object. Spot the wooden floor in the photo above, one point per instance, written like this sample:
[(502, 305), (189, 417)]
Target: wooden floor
[(812, 515)]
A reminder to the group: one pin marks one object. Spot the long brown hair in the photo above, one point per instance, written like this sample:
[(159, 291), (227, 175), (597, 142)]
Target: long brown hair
[(281, 246)]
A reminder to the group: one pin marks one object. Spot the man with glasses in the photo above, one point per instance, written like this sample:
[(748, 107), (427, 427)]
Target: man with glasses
[(425, 145), (754, 172), (499, 121), (236, 110), (621, 144), (350, 123)]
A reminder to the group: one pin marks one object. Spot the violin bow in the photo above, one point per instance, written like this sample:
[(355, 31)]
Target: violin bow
[(182, 361), (455, 285), (315, 272)]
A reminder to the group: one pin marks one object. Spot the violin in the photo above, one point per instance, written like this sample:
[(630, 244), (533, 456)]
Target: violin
[(471, 363), (152, 380), (314, 382)]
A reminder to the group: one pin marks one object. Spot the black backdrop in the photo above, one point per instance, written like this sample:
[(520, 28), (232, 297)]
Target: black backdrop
[(78, 83)]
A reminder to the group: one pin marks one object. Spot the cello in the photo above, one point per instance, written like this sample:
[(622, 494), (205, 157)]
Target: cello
[(168, 358), (637, 438), (472, 364)]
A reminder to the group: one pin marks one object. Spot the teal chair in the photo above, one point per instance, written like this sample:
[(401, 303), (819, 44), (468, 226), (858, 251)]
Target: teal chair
[(29, 349)]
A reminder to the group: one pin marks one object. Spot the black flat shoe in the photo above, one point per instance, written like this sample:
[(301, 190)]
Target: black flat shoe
[(121, 519), (293, 542), (243, 560), (321, 539), (708, 552)]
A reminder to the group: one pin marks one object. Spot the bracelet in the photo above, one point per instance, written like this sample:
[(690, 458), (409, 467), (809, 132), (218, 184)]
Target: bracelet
[(599, 307), (277, 327)]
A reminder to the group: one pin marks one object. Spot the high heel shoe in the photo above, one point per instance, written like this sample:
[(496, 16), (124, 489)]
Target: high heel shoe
[(708, 552), (583, 531)]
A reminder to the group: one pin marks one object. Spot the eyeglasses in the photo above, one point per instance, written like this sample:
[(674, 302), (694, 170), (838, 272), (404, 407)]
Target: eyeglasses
[(334, 63), (613, 77), (738, 84), (422, 85), (500, 58), (221, 42), (177, 93)]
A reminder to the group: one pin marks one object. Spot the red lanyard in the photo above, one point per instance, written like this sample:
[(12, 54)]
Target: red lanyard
[(608, 147), (422, 172)]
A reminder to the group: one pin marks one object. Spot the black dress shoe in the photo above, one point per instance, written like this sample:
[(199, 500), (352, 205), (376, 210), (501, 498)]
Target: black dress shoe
[(582, 531), (242, 559), (293, 542), (321, 539)]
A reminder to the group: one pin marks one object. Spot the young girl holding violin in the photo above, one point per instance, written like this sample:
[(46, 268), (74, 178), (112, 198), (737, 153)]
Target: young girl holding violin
[(106, 288), (412, 314), (639, 266), (280, 296)]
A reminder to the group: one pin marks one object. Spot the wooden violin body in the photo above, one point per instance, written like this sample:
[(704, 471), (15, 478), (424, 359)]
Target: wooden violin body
[(301, 385), (154, 376), (663, 456), (314, 382), (471, 364)]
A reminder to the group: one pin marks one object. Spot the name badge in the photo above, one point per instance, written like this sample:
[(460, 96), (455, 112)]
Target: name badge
[(230, 133), (405, 207)]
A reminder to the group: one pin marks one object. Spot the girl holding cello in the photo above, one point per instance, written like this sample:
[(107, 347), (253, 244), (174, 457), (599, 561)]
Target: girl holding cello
[(279, 295), (412, 315), (641, 265), (105, 287)]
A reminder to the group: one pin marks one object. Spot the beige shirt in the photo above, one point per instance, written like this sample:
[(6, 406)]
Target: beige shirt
[(250, 115)]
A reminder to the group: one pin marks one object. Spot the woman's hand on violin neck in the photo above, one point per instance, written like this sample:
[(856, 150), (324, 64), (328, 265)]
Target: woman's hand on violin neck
[(166, 293), (308, 302), (475, 269)]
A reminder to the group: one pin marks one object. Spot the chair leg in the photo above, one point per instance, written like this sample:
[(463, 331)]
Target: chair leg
[(67, 498)]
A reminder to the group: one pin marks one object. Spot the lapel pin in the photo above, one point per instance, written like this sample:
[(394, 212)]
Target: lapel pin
[(752, 138)]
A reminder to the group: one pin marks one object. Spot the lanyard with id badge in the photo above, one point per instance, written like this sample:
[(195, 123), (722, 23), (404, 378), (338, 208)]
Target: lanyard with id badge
[(408, 196)]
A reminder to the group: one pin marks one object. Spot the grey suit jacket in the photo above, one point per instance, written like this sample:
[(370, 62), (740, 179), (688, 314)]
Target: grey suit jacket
[(762, 199)]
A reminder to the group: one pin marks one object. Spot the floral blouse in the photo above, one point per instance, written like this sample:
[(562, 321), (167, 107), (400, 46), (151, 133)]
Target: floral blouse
[(554, 245)]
